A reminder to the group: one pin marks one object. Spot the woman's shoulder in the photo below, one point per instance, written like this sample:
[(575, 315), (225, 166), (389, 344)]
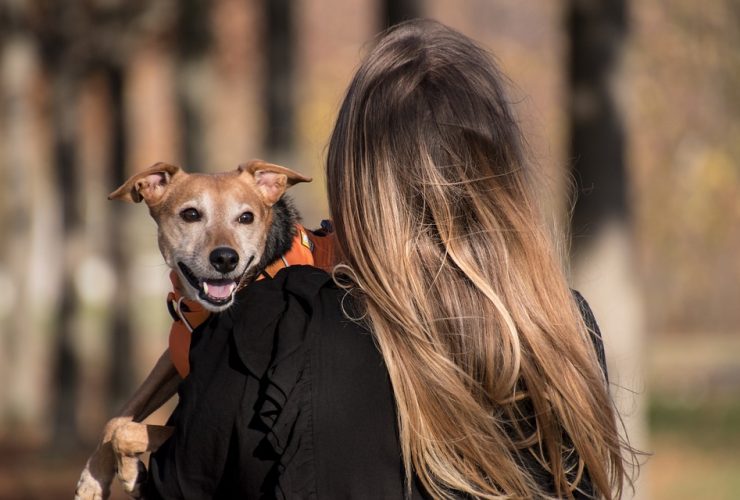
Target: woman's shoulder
[(300, 280), (586, 312), (593, 328), (315, 295), (291, 293), (298, 309)]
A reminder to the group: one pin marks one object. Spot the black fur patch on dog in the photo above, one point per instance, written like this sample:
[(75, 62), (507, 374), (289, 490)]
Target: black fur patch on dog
[(282, 231)]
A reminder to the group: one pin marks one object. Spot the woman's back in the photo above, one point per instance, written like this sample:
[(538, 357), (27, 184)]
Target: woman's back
[(302, 408), (444, 244)]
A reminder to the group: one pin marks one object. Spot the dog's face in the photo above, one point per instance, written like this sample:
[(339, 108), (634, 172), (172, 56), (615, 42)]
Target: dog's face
[(212, 228)]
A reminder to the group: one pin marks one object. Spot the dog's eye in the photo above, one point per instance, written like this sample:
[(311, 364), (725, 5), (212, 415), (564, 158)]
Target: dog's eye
[(190, 215), (246, 218)]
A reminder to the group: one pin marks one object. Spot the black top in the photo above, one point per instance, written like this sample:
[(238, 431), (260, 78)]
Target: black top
[(286, 398)]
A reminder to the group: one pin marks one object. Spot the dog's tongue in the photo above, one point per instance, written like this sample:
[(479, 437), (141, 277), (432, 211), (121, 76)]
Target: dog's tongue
[(219, 289)]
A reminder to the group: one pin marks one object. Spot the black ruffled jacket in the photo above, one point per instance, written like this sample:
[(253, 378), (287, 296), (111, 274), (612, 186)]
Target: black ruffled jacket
[(286, 398)]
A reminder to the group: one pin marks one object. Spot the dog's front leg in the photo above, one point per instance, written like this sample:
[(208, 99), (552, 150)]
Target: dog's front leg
[(129, 442), (96, 478), (159, 386)]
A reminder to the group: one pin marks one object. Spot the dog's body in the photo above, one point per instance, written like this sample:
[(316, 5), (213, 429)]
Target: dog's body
[(216, 232)]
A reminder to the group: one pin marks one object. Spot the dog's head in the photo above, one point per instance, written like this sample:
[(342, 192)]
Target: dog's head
[(212, 228)]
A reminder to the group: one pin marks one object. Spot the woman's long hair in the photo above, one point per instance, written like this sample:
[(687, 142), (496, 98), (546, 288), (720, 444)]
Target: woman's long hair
[(494, 372)]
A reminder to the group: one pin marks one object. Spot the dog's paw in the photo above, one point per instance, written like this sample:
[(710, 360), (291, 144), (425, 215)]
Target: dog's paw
[(98, 474), (131, 475), (90, 488)]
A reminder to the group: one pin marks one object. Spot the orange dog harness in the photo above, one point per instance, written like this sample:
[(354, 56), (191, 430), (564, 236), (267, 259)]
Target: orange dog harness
[(308, 248)]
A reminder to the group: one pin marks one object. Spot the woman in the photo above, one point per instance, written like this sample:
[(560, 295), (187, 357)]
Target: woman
[(451, 359)]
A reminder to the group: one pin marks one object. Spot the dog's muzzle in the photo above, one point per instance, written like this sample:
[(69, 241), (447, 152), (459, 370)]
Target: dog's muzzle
[(218, 292)]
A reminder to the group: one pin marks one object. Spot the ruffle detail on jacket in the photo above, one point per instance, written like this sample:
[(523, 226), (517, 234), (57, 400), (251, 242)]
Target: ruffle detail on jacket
[(272, 339)]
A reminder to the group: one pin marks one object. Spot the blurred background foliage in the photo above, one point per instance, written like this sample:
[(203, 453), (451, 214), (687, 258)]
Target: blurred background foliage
[(636, 104)]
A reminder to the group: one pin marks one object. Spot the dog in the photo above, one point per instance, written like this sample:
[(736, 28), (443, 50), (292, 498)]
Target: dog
[(216, 232)]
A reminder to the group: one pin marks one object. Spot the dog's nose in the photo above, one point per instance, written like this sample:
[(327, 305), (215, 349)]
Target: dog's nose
[(224, 259)]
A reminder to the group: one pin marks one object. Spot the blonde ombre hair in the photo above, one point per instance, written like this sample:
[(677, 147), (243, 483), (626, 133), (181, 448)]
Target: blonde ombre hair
[(493, 369)]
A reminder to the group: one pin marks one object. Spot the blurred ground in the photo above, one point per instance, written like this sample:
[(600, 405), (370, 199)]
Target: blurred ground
[(694, 417), (34, 473), (30, 474), (683, 470), (694, 425)]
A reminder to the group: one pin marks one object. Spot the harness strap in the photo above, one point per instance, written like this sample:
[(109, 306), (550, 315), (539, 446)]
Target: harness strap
[(188, 314)]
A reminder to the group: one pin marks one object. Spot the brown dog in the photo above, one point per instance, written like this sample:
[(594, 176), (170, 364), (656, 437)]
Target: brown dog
[(215, 231)]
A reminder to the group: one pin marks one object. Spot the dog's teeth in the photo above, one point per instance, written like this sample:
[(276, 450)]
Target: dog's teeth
[(205, 288)]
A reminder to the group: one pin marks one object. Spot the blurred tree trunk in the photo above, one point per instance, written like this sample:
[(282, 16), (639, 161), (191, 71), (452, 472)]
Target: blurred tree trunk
[(330, 36), (28, 274), (279, 94), (597, 31), (193, 41), (602, 233), (66, 370), (59, 30), (224, 66), (397, 11), (121, 375)]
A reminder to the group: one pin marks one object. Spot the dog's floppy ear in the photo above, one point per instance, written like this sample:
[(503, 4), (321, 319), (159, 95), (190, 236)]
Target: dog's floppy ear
[(271, 180), (148, 186)]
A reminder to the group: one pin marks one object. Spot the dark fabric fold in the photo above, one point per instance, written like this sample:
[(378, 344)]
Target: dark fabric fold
[(258, 338), (272, 340)]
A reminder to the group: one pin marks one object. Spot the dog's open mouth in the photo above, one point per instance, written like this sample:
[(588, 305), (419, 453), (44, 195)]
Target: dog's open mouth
[(218, 292)]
